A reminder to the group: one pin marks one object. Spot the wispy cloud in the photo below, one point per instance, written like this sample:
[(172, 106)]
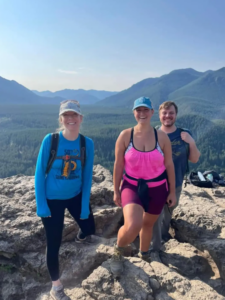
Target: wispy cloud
[(84, 68), (67, 72)]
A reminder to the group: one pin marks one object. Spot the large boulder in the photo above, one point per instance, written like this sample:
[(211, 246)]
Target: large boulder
[(134, 284), (200, 221), (185, 259), (22, 230), (178, 287)]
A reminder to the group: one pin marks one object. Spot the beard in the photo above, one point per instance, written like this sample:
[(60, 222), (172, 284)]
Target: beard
[(172, 122)]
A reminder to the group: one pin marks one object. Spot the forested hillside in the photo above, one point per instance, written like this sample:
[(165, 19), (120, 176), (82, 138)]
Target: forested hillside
[(24, 127), (184, 85)]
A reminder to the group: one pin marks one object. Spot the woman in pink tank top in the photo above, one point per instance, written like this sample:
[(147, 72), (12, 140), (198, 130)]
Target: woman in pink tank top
[(143, 158)]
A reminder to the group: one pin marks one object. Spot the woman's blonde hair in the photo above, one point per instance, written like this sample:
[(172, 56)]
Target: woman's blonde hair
[(61, 127)]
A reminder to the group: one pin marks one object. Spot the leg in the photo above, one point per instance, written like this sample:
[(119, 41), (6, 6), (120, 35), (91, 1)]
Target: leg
[(146, 231), (167, 214), (53, 228), (158, 196), (157, 233), (87, 226), (133, 216)]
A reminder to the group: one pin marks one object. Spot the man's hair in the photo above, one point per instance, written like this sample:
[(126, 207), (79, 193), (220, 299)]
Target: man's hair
[(168, 104)]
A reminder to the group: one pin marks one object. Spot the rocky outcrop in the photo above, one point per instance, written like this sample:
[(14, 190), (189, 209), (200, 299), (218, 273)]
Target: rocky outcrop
[(199, 221), (191, 265), (134, 285)]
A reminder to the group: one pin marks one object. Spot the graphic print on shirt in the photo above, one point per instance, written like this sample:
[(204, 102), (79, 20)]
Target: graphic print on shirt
[(70, 168), (178, 147)]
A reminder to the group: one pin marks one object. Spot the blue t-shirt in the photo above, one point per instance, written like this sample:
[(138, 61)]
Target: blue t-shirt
[(179, 150), (57, 185)]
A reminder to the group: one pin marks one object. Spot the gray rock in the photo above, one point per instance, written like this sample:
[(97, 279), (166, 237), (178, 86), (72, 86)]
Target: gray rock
[(22, 237), (134, 284), (190, 267), (184, 258), (178, 287), (200, 221)]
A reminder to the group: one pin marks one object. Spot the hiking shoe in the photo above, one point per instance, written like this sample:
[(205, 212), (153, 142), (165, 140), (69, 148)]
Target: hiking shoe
[(88, 240), (146, 257), (59, 295), (116, 263)]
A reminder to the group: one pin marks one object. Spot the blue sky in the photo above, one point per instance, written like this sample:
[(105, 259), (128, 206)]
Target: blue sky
[(105, 44)]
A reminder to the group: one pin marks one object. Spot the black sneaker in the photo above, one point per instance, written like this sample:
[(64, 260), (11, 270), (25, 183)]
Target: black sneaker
[(87, 240)]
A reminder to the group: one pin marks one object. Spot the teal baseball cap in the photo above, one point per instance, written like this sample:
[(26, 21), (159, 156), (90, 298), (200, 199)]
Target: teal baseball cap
[(142, 101)]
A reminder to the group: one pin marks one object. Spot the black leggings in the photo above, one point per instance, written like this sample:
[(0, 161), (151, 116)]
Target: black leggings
[(54, 228)]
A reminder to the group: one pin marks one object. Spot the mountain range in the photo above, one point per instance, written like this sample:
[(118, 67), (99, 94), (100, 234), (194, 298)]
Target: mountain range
[(193, 91), (13, 92), (190, 89), (84, 96)]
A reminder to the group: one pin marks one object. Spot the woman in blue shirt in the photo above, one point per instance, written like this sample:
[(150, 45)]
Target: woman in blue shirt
[(67, 185)]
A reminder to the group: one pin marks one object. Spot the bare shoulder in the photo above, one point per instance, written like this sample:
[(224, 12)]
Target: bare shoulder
[(124, 136), (162, 134), (162, 138), (125, 133)]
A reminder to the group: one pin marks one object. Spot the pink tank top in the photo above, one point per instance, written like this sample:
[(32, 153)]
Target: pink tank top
[(145, 165)]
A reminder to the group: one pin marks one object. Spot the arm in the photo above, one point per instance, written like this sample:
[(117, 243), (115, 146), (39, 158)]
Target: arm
[(168, 160), (118, 166), (42, 161), (87, 179), (194, 153)]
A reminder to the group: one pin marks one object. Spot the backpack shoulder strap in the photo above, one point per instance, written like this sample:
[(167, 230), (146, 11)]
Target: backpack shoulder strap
[(187, 148), (53, 151), (82, 150)]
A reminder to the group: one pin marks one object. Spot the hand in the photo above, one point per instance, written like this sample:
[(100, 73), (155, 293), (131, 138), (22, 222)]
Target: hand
[(84, 218), (117, 199), (186, 137), (171, 199)]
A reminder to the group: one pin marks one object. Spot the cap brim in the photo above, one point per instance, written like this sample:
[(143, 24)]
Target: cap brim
[(140, 105), (65, 110)]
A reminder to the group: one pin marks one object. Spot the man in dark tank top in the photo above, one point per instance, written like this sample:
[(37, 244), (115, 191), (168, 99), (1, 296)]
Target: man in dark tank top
[(184, 149)]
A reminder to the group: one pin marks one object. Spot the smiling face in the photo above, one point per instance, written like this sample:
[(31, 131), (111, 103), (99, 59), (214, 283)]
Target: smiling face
[(168, 116), (143, 114), (71, 120)]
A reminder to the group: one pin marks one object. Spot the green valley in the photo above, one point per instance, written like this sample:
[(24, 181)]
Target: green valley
[(24, 126)]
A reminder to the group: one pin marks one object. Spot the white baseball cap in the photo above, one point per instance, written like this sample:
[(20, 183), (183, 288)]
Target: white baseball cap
[(70, 105)]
